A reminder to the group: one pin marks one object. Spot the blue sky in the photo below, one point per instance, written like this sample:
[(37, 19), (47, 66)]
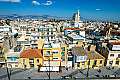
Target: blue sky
[(106, 9)]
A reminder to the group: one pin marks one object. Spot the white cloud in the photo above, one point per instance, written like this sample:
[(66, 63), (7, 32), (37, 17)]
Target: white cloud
[(10, 0), (15, 0), (35, 3), (98, 9), (48, 3)]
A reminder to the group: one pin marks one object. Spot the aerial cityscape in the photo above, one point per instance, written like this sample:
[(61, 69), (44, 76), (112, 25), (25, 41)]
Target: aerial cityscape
[(59, 39)]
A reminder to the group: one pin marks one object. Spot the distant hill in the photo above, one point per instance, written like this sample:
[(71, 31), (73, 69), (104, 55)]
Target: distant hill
[(15, 16)]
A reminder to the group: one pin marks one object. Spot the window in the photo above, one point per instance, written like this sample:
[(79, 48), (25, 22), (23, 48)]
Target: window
[(23, 61), (31, 61), (83, 63), (118, 55), (16, 65), (47, 30), (117, 62), (63, 58), (55, 52), (78, 64), (41, 37), (55, 58), (47, 52), (100, 61), (51, 32), (70, 58), (95, 62), (63, 53), (37, 60), (63, 48), (51, 37), (110, 62), (111, 55)]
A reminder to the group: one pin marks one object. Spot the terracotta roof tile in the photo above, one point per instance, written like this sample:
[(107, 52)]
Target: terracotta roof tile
[(115, 43), (72, 29), (31, 53)]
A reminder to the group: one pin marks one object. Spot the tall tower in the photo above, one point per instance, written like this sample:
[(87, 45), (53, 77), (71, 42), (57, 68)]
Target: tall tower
[(76, 18)]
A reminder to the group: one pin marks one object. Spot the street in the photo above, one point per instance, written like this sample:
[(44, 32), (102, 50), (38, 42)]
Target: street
[(70, 73)]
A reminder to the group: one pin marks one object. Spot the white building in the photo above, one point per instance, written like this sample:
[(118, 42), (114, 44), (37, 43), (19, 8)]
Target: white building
[(113, 54), (47, 32), (13, 58), (5, 28)]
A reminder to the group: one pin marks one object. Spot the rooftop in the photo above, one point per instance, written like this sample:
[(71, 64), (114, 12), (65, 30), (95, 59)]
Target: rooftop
[(31, 53), (80, 51), (115, 43), (77, 37), (94, 55), (51, 45), (72, 29)]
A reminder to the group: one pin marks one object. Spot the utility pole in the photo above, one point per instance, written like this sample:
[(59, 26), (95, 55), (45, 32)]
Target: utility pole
[(88, 68)]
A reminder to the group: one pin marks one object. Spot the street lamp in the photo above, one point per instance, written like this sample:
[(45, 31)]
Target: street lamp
[(48, 73), (10, 69), (88, 68), (7, 70)]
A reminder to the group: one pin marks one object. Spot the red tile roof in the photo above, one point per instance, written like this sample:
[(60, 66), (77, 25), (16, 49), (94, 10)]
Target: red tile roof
[(72, 29), (115, 32), (31, 53), (115, 43)]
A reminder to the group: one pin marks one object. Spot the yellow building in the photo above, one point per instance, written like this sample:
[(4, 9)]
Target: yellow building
[(64, 55), (31, 58), (52, 52), (40, 43), (84, 58)]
